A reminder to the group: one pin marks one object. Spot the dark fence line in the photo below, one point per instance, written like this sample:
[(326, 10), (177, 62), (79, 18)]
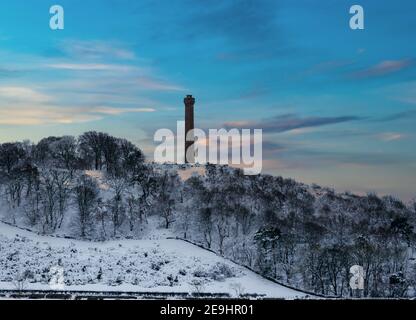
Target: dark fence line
[(94, 295), (256, 272), (40, 233)]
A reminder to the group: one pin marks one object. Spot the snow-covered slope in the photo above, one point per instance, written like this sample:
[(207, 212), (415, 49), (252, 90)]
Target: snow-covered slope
[(161, 265)]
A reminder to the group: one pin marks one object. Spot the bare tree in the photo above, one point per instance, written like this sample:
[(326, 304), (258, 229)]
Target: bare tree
[(21, 279), (10, 156), (92, 145), (86, 193), (63, 183), (117, 209), (64, 152), (168, 191)]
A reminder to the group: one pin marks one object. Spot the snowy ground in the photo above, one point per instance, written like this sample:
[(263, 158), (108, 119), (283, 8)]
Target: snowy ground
[(152, 265)]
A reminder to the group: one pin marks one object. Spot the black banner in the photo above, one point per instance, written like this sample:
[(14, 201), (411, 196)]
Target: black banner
[(208, 309)]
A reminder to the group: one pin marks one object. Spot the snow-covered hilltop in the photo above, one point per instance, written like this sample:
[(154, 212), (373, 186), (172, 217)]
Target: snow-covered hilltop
[(99, 188), (158, 265)]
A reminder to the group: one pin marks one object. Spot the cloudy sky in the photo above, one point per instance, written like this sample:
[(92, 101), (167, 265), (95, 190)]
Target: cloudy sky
[(338, 107)]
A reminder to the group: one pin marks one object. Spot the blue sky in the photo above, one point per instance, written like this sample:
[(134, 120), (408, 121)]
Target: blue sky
[(337, 106)]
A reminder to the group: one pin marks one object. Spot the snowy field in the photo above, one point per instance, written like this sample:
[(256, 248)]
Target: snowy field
[(149, 265)]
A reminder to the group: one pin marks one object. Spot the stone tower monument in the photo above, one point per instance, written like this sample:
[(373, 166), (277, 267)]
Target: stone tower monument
[(189, 126)]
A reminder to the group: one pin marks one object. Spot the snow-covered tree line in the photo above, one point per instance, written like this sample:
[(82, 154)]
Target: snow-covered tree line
[(43, 181), (305, 236)]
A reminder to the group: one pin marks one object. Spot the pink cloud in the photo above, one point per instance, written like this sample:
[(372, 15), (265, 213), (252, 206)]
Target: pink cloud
[(384, 68)]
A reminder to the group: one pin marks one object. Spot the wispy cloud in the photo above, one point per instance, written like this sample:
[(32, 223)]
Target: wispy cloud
[(404, 92), (90, 67), (55, 114), (383, 68), (96, 49), (40, 115), (22, 94), (90, 59), (309, 157), (28, 106), (390, 136), (116, 111), (158, 85), (288, 122), (325, 67)]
